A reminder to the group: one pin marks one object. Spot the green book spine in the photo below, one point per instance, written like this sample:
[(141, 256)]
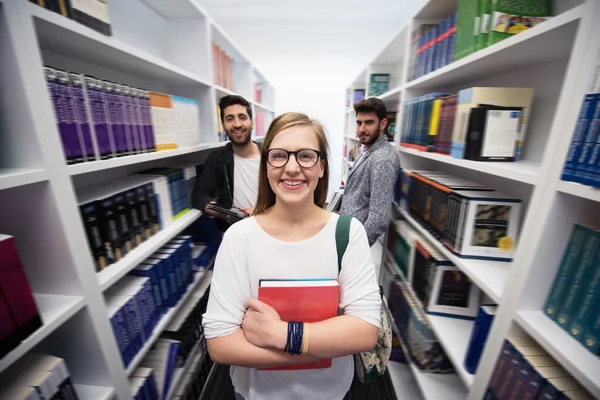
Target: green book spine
[(484, 30), (563, 276), (591, 296), (513, 16), (581, 275), (476, 25), (460, 29), (591, 339)]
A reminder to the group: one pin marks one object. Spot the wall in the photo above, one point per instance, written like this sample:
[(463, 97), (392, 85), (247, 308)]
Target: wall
[(310, 65)]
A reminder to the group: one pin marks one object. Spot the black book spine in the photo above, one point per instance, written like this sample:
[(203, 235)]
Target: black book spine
[(142, 200), (135, 221), (110, 231), (91, 222), (152, 208), (125, 231)]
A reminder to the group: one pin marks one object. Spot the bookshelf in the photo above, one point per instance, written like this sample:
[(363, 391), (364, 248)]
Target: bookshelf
[(160, 46), (556, 58)]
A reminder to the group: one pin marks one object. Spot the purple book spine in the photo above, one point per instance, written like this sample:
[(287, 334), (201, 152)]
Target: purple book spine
[(99, 118), (131, 117), (64, 114), (122, 104), (115, 118), (82, 115), (147, 117), (137, 108)]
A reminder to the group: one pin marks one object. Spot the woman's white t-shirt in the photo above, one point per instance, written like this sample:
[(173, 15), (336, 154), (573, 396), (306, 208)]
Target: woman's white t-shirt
[(248, 254)]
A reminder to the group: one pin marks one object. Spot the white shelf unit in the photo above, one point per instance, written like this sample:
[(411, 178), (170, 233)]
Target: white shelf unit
[(556, 58), (157, 45)]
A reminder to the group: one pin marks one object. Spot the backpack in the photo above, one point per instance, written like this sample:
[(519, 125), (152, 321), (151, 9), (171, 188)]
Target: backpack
[(368, 365)]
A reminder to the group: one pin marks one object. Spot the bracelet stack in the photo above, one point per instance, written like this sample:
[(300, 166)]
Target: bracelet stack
[(296, 343)]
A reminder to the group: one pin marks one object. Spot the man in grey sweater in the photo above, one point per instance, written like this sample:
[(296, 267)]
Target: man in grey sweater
[(369, 190)]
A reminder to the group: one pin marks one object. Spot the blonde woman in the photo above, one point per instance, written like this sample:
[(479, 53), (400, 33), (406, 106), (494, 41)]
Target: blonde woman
[(290, 236)]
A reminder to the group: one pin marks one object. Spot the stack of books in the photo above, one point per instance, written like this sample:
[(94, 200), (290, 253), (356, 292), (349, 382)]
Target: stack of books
[(525, 371), (478, 123), (121, 215), (143, 384), (18, 310), (195, 381), (471, 220), (432, 47), (137, 302), (38, 376), (415, 331), (574, 300), (99, 119), (437, 284), (223, 68), (379, 84), (583, 160), (91, 13), (186, 327), (161, 360), (476, 25)]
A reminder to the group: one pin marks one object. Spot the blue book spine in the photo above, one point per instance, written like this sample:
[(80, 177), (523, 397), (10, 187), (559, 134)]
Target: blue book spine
[(122, 337), (443, 58), (587, 172), (591, 296), (134, 326), (163, 279), (170, 368), (145, 313), (450, 53), (478, 338), (176, 262), (432, 34), (565, 272), (581, 276), (583, 122), (169, 284), (186, 254), (591, 338)]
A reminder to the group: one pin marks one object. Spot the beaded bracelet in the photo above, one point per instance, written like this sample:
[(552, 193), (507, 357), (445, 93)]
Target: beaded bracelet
[(295, 334)]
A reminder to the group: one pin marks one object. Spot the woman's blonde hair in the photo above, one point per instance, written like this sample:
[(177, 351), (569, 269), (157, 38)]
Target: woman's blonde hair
[(266, 196)]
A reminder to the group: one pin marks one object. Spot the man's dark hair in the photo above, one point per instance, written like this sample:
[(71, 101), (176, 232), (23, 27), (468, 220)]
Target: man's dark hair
[(231, 100), (372, 104)]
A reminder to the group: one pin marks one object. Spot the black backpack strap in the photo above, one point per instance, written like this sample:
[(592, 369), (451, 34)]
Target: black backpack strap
[(342, 237)]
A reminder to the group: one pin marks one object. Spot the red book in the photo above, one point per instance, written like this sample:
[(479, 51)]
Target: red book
[(302, 300), (15, 288), (8, 330)]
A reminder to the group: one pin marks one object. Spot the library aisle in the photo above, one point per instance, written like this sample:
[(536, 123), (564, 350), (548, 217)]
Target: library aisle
[(491, 266), (104, 266)]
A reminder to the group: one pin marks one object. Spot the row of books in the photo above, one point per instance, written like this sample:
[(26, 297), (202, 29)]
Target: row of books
[(137, 302), (471, 220), (259, 124), (477, 123), (352, 151), (354, 96), (143, 384), (524, 370), (19, 312), (438, 285), (223, 67), (121, 215), (482, 23), (99, 119), (583, 160), (379, 84), (476, 25), (574, 300), (37, 376), (424, 349), (432, 47), (91, 13)]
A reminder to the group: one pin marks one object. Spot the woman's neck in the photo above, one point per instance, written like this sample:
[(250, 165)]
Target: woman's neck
[(295, 214)]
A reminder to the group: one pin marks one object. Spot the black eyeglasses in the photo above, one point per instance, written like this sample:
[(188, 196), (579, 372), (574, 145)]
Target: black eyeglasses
[(306, 158)]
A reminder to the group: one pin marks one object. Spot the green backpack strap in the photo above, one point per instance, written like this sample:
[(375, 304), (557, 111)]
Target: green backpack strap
[(342, 237)]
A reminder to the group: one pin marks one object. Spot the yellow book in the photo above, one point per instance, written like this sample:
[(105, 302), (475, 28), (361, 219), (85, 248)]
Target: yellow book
[(434, 121)]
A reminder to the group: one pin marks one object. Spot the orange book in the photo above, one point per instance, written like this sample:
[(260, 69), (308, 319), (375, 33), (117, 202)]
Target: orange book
[(302, 300)]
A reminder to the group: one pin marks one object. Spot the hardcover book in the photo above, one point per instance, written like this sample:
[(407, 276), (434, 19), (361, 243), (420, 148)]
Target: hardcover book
[(310, 300)]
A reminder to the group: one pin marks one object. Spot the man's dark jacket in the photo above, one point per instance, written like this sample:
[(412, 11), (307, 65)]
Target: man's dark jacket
[(215, 182)]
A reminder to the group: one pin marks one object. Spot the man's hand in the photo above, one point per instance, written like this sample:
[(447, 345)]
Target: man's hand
[(263, 327), (247, 210)]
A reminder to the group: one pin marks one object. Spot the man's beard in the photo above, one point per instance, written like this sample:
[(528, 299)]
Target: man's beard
[(240, 142), (370, 140)]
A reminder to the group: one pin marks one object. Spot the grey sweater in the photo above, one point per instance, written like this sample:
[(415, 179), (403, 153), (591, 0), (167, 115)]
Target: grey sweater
[(369, 190)]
